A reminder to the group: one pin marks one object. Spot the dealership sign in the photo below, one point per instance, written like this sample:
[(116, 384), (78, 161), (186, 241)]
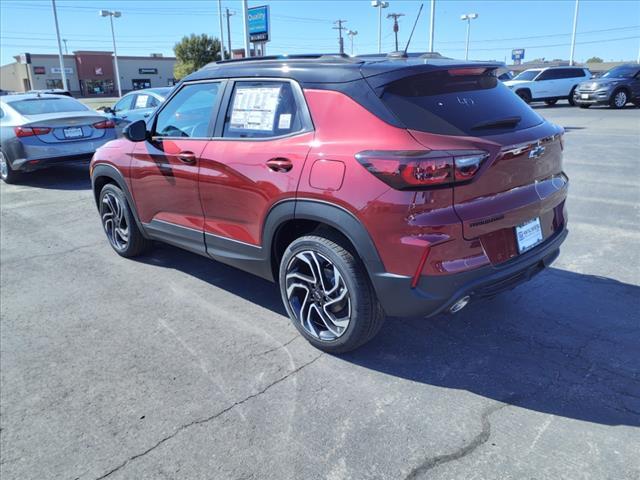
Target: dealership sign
[(517, 54), (39, 70), (148, 71), (258, 19)]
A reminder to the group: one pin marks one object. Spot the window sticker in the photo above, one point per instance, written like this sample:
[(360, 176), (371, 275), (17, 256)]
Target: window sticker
[(284, 121), (254, 108), (141, 101)]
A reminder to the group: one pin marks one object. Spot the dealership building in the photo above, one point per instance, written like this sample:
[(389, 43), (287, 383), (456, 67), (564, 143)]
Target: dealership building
[(89, 73)]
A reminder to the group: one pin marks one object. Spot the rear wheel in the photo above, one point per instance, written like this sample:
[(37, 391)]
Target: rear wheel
[(119, 224), (328, 295), (524, 95), (7, 174), (570, 99), (619, 99), (584, 105), (551, 102)]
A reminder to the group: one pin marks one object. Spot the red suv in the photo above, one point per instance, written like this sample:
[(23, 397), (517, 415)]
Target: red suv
[(365, 186)]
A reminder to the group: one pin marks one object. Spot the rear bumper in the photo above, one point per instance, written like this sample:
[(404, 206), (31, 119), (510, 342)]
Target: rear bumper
[(29, 165), (435, 294)]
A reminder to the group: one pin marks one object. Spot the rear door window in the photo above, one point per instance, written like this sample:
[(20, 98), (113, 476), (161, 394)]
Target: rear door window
[(458, 103), (550, 75), (262, 110)]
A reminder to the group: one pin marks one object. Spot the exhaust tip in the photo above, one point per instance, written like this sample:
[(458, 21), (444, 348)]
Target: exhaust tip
[(460, 304)]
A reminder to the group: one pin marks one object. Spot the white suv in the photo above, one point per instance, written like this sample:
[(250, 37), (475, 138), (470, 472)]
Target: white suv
[(548, 84)]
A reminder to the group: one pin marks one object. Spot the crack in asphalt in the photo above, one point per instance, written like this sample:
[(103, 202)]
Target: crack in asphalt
[(207, 419), (466, 449), (43, 255)]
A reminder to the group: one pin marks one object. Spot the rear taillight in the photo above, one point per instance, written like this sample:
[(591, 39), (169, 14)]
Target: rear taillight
[(104, 124), (30, 131), (419, 169)]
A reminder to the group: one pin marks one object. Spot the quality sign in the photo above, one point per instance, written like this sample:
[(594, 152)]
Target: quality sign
[(258, 19)]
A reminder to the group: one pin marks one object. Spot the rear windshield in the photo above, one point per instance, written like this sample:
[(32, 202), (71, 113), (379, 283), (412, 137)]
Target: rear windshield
[(458, 104), (38, 106)]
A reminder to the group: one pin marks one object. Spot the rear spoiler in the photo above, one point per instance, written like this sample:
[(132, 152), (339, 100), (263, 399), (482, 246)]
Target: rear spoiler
[(378, 75)]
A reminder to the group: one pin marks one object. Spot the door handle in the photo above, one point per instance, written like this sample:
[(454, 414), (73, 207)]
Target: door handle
[(187, 157), (281, 165)]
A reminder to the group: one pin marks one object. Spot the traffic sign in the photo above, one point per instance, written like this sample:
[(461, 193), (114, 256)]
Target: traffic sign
[(259, 24)]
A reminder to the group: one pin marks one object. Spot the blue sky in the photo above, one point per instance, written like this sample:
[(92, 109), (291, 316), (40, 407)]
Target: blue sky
[(606, 28)]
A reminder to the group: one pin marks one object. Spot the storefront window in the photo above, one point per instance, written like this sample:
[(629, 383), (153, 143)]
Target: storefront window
[(54, 83), (140, 83), (99, 87)]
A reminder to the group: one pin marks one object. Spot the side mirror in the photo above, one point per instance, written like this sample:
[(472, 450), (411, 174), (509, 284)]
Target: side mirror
[(105, 109), (136, 131)]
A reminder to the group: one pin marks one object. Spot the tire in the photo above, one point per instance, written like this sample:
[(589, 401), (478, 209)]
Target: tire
[(119, 224), (7, 174), (551, 102), (619, 99), (342, 293), (584, 105), (570, 99), (524, 95)]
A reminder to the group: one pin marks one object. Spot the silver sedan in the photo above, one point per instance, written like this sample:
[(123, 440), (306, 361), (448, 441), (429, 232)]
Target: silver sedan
[(40, 130)]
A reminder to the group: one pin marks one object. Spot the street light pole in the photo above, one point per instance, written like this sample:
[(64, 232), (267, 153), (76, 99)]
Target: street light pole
[(63, 74), (221, 31), (352, 34), (468, 17), (431, 24), (111, 14), (379, 4), (228, 14), (245, 21), (573, 35), (66, 50)]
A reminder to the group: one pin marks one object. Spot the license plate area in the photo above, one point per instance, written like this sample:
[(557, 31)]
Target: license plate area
[(528, 235), (585, 96), (73, 132)]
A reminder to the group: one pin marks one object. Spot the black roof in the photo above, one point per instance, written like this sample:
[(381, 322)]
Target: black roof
[(331, 68)]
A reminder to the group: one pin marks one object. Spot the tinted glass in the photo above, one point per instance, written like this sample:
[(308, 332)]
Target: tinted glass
[(621, 72), (189, 112), (152, 102), (262, 110), (38, 106), (527, 75), (457, 105), (551, 75)]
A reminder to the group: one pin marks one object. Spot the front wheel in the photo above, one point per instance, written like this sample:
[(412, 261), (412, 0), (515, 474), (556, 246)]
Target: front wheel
[(119, 224), (551, 102), (8, 174), (619, 99), (328, 295), (570, 99), (584, 105)]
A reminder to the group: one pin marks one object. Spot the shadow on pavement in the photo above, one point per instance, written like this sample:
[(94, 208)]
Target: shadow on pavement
[(565, 344), (60, 177)]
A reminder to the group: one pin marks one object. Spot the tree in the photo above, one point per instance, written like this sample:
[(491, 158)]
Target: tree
[(595, 60), (194, 52)]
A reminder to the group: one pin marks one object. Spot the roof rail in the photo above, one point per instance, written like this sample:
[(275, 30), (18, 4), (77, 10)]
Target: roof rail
[(305, 56)]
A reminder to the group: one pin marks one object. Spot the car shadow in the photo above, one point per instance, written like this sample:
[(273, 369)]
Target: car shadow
[(564, 344), (59, 177)]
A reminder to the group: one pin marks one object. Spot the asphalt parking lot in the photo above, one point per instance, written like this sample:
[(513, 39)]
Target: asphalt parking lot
[(173, 366)]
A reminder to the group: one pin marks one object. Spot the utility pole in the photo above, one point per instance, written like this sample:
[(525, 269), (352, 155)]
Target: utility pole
[(395, 17), (340, 28), (431, 24), (352, 34), (573, 35), (221, 30), (62, 71), (228, 14), (245, 22), (66, 50)]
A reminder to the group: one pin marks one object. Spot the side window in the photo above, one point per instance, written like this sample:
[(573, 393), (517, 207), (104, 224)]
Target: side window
[(549, 75), (578, 73), (189, 112), (262, 110), (124, 103), (141, 101), (152, 102)]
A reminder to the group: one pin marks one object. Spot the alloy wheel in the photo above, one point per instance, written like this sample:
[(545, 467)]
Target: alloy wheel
[(318, 295), (114, 221), (620, 99), (4, 167)]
